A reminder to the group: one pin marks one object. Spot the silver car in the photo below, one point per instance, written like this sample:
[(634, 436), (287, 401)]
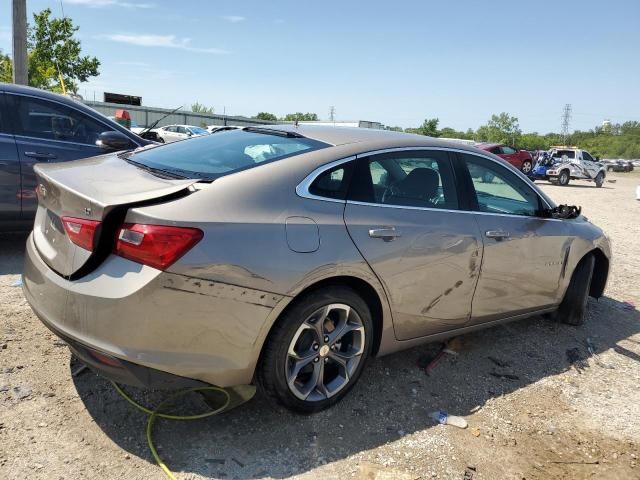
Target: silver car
[(287, 256)]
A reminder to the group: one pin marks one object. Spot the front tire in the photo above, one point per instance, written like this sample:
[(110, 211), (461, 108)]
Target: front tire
[(573, 308), (564, 177), (599, 179), (526, 167), (316, 351)]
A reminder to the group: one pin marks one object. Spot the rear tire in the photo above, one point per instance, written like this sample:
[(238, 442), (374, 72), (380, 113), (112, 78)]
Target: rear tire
[(526, 167), (564, 178), (331, 371), (573, 308), (161, 140)]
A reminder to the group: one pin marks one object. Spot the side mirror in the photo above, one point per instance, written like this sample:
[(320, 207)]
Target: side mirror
[(113, 141)]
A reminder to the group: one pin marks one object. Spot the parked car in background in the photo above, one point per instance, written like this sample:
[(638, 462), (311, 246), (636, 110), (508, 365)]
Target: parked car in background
[(174, 133), (618, 165), (563, 164), (221, 128), (41, 127), (521, 159), (370, 241)]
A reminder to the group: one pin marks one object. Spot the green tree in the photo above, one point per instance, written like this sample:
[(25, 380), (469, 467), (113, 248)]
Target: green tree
[(6, 68), (502, 128), (266, 116), (429, 127), (301, 117), (394, 129), (200, 108), (54, 52)]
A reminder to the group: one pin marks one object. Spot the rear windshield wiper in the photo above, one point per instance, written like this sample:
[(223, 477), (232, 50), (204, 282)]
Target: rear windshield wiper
[(273, 131)]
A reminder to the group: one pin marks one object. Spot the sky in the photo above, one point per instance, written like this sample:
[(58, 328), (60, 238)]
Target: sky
[(396, 62)]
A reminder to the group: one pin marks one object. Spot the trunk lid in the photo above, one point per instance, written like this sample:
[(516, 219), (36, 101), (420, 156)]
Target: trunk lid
[(93, 189)]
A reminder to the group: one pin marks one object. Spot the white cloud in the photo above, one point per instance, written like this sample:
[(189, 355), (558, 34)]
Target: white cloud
[(234, 18), (164, 41), (108, 3)]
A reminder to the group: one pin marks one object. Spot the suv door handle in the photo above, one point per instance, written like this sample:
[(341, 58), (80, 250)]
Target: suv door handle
[(41, 155), (497, 234), (387, 233)]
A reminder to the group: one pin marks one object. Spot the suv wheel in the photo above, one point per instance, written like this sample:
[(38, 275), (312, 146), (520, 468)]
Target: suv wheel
[(526, 167), (315, 353), (563, 178), (574, 305)]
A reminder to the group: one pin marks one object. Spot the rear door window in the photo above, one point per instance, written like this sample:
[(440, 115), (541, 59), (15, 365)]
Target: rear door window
[(49, 120), (332, 183), (421, 178)]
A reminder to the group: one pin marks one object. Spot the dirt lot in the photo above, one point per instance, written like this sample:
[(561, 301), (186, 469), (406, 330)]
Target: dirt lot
[(548, 418)]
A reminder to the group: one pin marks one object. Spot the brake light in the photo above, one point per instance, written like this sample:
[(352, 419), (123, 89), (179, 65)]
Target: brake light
[(158, 246), (81, 231)]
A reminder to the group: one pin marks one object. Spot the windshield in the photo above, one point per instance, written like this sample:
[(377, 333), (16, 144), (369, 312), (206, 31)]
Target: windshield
[(212, 156), (198, 131)]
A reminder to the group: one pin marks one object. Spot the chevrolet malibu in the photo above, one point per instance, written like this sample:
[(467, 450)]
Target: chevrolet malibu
[(287, 256)]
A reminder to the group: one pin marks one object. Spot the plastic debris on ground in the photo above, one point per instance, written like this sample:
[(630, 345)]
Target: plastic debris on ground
[(451, 348), (444, 418), (18, 282)]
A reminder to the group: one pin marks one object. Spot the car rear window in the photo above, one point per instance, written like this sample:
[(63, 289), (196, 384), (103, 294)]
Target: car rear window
[(562, 153), (213, 156)]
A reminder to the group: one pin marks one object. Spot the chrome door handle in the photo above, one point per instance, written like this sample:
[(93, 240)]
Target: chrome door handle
[(497, 234), (387, 234), (41, 155)]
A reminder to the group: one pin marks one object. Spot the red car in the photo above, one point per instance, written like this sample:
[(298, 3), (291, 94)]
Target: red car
[(521, 159)]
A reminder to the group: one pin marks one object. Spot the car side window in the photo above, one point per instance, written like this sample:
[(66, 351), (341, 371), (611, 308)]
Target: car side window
[(508, 150), (170, 129), (182, 130), (497, 190), (332, 183), (586, 156), (496, 150), (40, 118), (422, 178)]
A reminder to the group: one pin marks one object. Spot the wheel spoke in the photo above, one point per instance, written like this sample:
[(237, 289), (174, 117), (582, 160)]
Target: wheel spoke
[(298, 365)]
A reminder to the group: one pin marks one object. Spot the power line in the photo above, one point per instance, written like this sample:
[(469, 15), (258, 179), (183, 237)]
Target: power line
[(566, 118)]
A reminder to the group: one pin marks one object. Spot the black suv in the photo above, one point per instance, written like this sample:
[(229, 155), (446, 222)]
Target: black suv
[(38, 126)]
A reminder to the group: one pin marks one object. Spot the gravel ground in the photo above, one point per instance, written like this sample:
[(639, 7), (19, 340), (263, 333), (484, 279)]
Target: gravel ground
[(548, 418)]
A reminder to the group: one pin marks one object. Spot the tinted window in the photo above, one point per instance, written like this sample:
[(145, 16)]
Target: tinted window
[(332, 183), (211, 156), (182, 130), (498, 190), (413, 179), (586, 156), (508, 150), (496, 150), (53, 121)]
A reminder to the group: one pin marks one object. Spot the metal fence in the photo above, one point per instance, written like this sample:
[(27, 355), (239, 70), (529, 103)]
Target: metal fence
[(145, 116)]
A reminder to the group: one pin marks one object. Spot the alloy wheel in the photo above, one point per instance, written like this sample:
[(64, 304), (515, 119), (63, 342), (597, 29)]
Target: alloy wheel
[(526, 167), (325, 352)]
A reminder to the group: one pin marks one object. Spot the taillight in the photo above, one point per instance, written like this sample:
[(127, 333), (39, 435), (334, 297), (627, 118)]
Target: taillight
[(81, 231), (158, 246)]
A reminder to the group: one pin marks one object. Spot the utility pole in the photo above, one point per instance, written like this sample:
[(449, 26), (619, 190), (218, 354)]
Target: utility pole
[(566, 118), (332, 113), (20, 42)]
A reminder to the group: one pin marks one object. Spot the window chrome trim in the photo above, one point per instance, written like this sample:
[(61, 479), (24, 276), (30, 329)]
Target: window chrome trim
[(302, 190)]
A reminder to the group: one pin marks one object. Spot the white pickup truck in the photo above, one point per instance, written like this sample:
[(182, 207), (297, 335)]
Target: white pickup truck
[(569, 163)]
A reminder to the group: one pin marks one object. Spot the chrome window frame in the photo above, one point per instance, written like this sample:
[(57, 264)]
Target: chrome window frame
[(99, 120), (302, 189)]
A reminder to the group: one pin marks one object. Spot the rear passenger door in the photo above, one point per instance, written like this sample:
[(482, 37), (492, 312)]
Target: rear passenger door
[(48, 131), (9, 169), (403, 214)]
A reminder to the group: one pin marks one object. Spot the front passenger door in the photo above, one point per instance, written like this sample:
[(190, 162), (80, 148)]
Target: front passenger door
[(403, 214), (524, 254)]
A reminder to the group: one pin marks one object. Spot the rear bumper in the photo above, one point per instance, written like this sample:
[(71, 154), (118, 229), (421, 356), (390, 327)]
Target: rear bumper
[(179, 325)]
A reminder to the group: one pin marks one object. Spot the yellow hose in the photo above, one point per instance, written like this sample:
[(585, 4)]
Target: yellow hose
[(155, 413)]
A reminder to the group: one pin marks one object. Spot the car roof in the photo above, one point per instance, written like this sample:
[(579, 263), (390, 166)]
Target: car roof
[(333, 135), (483, 145)]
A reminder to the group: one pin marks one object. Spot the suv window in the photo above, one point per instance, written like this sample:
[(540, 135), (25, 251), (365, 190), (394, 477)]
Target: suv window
[(420, 178), (498, 190), (333, 183), (508, 150), (40, 118)]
